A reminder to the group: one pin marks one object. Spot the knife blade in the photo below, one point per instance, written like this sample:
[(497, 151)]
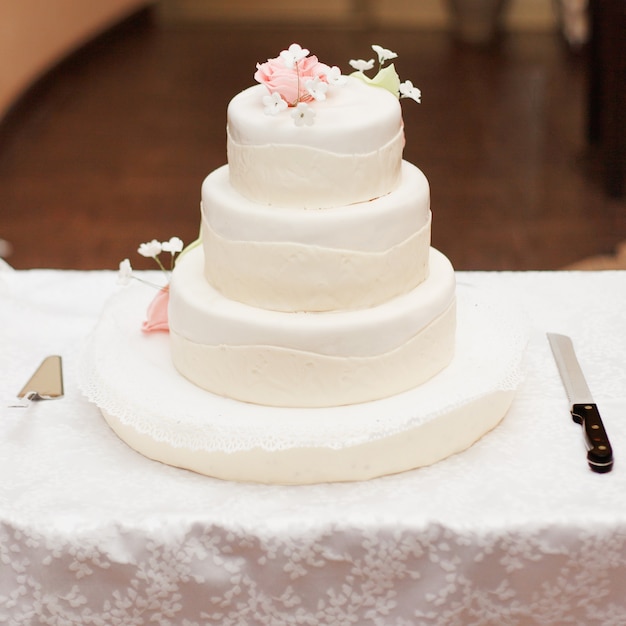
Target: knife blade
[(582, 406), (45, 384)]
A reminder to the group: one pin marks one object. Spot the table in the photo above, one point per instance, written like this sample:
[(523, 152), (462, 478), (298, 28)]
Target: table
[(515, 531)]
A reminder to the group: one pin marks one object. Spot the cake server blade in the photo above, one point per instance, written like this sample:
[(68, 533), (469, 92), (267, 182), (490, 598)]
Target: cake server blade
[(582, 407), (45, 384)]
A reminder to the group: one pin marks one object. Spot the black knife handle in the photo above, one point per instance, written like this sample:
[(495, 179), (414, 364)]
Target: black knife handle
[(599, 451)]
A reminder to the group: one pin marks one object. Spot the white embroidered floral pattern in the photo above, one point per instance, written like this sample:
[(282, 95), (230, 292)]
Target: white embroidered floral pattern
[(213, 575)]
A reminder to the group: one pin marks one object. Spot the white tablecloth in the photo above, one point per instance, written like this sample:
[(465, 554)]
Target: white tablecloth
[(515, 531)]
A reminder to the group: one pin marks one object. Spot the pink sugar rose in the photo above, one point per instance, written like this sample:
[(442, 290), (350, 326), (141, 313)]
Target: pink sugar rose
[(279, 78), (157, 312)]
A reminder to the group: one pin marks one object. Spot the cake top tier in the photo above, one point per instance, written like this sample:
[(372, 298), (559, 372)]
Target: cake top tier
[(354, 118), (310, 137)]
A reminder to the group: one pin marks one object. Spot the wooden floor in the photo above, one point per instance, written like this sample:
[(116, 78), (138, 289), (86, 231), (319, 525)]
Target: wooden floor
[(110, 150)]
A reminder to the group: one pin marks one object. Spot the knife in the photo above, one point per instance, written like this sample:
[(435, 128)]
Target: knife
[(45, 384), (582, 407)]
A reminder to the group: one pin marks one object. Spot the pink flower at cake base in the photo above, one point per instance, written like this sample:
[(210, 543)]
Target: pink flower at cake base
[(157, 319), (290, 81)]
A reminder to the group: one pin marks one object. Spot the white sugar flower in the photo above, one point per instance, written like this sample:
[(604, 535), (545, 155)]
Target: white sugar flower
[(174, 245), (274, 104), (151, 249), (360, 65), (317, 88), (407, 90), (383, 54), (294, 54), (125, 273), (335, 77), (303, 114)]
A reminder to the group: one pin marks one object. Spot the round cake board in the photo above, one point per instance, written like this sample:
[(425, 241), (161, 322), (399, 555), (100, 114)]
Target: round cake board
[(158, 413)]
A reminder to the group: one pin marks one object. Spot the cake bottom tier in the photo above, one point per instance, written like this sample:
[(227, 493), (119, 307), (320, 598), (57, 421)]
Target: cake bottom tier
[(310, 359), (130, 376), (417, 446)]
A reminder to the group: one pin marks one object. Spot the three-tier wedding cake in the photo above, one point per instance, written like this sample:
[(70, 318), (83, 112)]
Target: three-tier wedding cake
[(314, 333), (315, 283)]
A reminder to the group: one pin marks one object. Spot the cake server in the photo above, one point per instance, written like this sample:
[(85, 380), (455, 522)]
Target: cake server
[(45, 384), (582, 407)]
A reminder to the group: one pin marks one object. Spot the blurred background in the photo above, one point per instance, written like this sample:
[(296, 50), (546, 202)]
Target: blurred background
[(113, 111)]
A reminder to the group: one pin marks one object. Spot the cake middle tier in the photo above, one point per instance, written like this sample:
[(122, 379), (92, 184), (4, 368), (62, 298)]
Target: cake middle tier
[(293, 259)]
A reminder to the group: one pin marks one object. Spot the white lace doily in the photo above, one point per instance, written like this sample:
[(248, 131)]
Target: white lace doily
[(130, 376)]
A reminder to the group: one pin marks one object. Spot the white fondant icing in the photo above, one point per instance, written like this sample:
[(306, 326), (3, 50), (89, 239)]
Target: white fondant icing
[(274, 376), (282, 176), (373, 226), (290, 259), (355, 118), (315, 284), (294, 277), (351, 154), (202, 315), (310, 359)]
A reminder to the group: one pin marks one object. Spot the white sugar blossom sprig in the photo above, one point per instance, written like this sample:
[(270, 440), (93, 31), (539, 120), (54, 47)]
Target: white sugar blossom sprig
[(274, 104), (384, 55), (317, 89), (303, 114), (125, 273), (386, 75), (152, 250), (173, 246), (335, 77), (407, 90), (360, 65), (293, 54)]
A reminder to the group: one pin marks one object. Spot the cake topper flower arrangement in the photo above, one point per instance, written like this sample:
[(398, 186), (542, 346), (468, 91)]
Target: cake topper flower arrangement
[(294, 79), (386, 76), (157, 310)]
